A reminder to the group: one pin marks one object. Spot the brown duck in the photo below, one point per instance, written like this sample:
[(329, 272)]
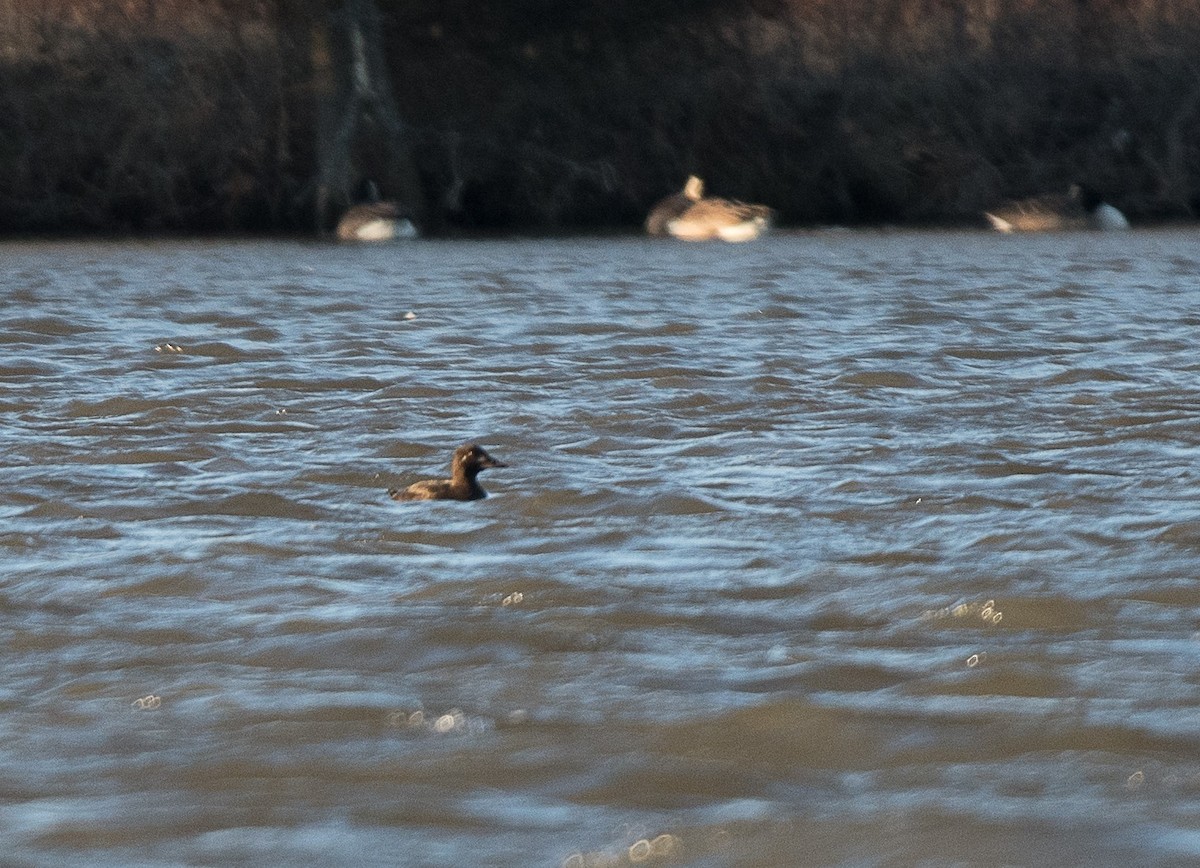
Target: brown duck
[(1080, 207), (375, 220), (468, 460), (691, 216)]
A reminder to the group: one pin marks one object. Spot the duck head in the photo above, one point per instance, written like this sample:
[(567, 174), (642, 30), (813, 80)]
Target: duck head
[(471, 458)]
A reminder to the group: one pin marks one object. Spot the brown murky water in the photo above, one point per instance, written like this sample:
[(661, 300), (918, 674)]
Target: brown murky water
[(834, 549)]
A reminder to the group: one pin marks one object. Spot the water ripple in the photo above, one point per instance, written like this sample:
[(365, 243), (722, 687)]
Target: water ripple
[(835, 548)]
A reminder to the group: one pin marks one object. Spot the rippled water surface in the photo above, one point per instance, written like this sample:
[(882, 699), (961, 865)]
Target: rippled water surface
[(830, 549)]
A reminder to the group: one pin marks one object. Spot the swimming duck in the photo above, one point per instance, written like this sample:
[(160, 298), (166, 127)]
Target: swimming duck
[(1079, 208), (468, 460), (375, 220), (690, 216)]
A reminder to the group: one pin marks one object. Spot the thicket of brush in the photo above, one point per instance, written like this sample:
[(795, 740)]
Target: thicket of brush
[(198, 115)]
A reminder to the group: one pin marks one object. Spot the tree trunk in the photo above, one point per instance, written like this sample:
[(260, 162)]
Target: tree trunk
[(360, 133)]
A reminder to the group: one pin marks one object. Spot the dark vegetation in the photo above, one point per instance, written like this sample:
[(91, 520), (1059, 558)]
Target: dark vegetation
[(215, 115)]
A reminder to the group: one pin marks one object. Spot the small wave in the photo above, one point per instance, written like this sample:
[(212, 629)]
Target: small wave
[(263, 504), (896, 557), (779, 733), (1185, 534), (774, 312), (1021, 680), (52, 509), (1008, 467), (1086, 375), (883, 380), (674, 329), (117, 406), (262, 334), (679, 504), (559, 502), (841, 678), (20, 369), (17, 330), (990, 354), (971, 503), (227, 352), (151, 456), (185, 584), (322, 384)]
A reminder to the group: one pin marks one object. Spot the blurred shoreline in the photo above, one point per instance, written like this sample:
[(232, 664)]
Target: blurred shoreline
[(165, 117)]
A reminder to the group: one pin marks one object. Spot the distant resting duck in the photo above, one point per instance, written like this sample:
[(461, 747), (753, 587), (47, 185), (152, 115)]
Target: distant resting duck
[(375, 220), (1079, 208), (468, 460), (690, 216), (673, 206)]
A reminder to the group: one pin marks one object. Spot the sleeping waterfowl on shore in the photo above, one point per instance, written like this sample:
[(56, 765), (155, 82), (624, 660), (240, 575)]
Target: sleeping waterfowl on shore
[(1079, 208), (469, 459), (375, 220), (691, 216)]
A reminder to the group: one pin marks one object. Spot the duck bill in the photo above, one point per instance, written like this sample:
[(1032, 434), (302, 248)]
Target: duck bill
[(484, 461)]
